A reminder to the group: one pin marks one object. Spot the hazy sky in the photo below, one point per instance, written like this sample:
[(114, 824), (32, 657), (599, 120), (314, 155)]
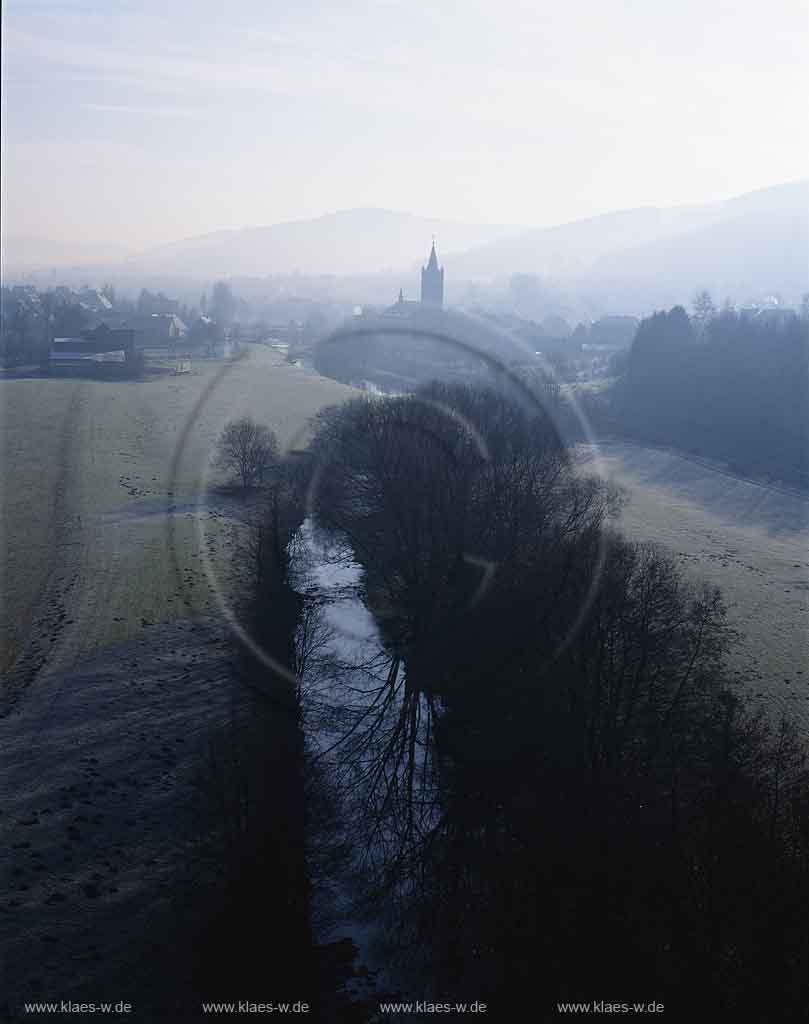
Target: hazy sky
[(141, 122)]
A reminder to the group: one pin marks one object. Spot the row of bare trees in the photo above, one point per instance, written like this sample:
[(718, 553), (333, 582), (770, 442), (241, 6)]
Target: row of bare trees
[(550, 779), (556, 767)]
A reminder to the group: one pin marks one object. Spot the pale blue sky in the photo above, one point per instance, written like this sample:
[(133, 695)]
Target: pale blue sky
[(144, 122)]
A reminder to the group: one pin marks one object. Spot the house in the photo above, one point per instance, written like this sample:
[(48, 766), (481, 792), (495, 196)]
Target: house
[(156, 331), (102, 349)]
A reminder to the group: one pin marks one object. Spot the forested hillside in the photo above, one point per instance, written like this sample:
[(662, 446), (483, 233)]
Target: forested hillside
[(726, 386)]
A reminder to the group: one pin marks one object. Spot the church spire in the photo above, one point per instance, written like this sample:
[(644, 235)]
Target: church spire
[(432, 280)]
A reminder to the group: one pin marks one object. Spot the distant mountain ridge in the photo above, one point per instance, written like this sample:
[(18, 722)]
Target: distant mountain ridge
[(603, 244), (628, 259), (362, 240), (753, 250)]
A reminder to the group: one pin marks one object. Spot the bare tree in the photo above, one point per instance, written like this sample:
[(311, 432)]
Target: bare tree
[(248, 449)]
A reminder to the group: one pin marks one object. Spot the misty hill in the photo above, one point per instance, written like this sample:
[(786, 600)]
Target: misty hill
[(348, 242), (757, 240), (569, 248), (759, 244), (628, 261)]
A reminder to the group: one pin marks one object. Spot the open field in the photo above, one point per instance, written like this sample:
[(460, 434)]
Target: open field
[(749, 539), (122, 672), (91, 471), (99, 807)]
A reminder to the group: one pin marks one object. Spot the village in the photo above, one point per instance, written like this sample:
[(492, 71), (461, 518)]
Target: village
[(93, 331)]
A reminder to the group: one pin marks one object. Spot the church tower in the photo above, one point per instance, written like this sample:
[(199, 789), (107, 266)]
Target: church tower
[(432, 281)]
